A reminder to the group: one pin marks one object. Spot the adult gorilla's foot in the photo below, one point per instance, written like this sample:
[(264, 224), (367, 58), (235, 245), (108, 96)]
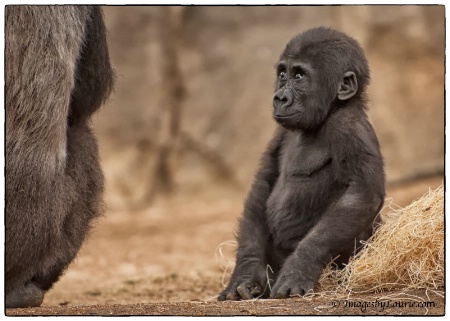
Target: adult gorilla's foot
[(25, 296)]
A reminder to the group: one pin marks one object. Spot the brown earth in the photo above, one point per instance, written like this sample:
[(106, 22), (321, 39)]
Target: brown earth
[(168, 260), (364, 305)]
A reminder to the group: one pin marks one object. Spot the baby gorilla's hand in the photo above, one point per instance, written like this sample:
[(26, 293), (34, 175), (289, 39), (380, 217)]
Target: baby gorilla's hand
[(297, 277), (247, 285)]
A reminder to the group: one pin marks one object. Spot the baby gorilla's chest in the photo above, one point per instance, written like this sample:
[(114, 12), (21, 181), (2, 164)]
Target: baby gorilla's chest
[(302, 192), (304, 161)]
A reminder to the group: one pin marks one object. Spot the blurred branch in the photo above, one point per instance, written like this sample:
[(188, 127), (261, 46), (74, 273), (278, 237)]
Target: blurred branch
[(218, 167), (171, 99)]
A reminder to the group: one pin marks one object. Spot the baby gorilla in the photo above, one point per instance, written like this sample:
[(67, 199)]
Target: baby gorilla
[(321, 181)]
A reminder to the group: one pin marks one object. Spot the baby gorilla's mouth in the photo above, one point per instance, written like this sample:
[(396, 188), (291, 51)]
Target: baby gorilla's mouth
[(285, 116)]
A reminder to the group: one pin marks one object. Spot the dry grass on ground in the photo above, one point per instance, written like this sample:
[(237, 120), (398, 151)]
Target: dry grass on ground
[(406, 253)]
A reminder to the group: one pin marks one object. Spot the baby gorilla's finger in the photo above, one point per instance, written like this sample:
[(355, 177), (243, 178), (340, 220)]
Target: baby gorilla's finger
[(249, 291), (256, 291), (232, 296), (280, 292), (244, 292)]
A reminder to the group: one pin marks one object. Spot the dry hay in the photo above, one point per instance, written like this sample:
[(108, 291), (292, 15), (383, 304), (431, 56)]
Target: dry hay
[(406, 252), (226, 265)]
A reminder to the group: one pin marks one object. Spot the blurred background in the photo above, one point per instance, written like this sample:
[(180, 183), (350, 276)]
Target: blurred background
[(191, 112), (181, 137)]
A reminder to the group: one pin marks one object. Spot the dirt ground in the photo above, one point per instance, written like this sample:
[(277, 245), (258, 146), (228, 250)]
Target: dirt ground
[(169, 259)]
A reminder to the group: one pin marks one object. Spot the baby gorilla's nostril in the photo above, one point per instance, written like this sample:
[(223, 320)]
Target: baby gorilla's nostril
[(283, 98)]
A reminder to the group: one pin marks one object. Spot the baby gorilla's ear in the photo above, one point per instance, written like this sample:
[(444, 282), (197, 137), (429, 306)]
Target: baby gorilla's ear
[(348, 87)]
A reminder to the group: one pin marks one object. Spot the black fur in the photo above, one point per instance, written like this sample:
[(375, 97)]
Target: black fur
[(321, 181)]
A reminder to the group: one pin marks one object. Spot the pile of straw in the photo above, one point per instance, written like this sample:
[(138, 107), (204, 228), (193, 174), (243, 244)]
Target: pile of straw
[(406, 252)]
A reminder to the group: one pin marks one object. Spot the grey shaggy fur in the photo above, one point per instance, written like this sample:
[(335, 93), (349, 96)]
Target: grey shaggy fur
[(57, 74)]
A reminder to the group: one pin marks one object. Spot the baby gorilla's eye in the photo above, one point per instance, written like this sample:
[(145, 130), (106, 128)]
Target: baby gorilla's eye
[(282, 75), (299, 75)]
